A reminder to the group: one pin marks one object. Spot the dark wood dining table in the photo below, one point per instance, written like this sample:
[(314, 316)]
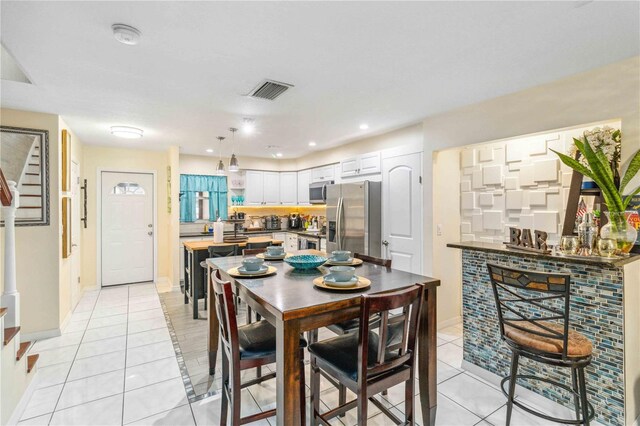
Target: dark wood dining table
[(291, 302)]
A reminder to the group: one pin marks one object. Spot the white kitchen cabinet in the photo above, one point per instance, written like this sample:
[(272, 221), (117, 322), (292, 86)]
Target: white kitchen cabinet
[(337, 178), (304, 179), (291, 242), (280, 236), (320, 174), (271, 188), (323, 244), (365, 164), (254, 188), (289, 188)]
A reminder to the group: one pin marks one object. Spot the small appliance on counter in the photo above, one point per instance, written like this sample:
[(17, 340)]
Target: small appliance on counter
[(295, 221), (272, 223), (284, 222)]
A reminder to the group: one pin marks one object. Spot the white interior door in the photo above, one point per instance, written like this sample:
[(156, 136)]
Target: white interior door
[(402, 211), (127, 228), (75, 233)]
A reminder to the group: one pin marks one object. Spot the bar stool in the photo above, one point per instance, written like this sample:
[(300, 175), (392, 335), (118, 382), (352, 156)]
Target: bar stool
[(248, 346), (215, 251), (533, 312)]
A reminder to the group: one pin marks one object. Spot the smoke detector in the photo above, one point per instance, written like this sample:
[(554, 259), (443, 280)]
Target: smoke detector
[(126, 34)]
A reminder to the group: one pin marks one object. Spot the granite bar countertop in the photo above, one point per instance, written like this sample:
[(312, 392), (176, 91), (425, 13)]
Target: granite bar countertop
[(263, 232), (587, 260)]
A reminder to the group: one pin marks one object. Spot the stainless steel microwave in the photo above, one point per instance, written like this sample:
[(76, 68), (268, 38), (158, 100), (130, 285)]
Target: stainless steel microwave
[(318, 192)]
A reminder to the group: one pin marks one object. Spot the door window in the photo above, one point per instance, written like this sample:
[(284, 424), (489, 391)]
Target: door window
[(127, 188)]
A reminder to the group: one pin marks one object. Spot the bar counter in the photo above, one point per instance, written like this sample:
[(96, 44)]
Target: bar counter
[(605, 307)]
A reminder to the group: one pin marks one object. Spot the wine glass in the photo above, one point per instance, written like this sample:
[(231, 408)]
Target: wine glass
[(569, 244), (607, 247)]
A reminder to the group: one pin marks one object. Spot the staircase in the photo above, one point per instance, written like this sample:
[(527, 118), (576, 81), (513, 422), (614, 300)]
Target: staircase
[(17, 369), (30, 187)]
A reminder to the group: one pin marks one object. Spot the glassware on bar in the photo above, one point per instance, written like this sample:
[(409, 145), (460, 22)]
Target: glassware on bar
[(607, 247), (569, 244)]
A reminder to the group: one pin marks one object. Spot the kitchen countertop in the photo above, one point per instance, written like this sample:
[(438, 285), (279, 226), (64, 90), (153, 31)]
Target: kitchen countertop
[(502, 249), (203, 245), (312, 234)]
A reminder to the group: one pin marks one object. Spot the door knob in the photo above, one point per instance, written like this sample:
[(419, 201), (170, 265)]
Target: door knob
[(385, 243)]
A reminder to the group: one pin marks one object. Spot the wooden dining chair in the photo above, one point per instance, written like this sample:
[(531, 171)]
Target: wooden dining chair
[(243, 347), (375, 260), (253, 251), (259, 245), (365, 362)]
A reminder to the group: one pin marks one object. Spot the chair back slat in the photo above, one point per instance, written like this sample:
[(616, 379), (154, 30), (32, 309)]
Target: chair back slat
[(258, 245), (375, 260), (223, 251), (253, 251), (225, 309), (529, 300), (410, 300)]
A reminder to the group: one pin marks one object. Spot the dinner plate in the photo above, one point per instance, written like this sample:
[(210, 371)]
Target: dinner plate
[(266, 256), (351, 262), (361, 284), (243, 271)]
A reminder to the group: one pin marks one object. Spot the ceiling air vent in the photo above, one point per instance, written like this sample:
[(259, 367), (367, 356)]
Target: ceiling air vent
[(269, 89)]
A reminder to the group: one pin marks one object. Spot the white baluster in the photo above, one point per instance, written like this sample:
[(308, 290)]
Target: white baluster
[(10, 296)]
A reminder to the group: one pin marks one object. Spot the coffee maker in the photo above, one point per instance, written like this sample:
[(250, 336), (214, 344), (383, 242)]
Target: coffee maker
[(295, 221), (272, 223)]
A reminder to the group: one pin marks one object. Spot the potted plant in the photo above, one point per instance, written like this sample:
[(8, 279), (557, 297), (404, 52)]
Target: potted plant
[(599, 162)]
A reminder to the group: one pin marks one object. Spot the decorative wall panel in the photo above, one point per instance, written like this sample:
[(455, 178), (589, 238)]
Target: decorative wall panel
[(517, 182)]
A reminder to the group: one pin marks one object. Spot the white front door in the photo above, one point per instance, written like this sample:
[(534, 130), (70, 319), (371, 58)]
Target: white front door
[(127, 228), (75, 234), (402, 211)]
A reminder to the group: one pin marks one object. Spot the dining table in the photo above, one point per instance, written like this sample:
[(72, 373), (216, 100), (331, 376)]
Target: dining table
[(289, 301)]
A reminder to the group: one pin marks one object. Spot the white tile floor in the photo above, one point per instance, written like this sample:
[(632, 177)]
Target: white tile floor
[(115, 365)]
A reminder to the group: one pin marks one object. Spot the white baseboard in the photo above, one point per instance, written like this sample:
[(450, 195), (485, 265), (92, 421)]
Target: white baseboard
[(24, 400), (449, 322), (39, 335)]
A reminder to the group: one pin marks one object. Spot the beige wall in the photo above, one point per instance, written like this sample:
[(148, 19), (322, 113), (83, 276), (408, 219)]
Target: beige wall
[(607, 93), (38, 247), (118, 159)]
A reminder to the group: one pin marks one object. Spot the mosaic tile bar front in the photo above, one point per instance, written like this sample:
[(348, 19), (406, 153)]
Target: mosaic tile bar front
[(596, 311)]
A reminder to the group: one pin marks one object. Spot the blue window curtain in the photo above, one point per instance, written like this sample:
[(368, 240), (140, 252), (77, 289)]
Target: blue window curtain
[(216, 186)]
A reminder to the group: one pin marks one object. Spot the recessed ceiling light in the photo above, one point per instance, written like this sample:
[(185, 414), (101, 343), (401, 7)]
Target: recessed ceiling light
[(278, 154), (312, 143), (209, 150), (126, 34), (126, 132), (248, 125), (364, 126)]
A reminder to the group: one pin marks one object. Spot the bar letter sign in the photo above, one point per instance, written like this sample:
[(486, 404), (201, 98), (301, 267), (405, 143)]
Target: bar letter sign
[(521, 239)]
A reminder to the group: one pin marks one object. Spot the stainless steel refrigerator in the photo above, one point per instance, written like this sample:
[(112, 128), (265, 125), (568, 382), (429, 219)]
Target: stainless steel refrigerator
[(354, 218)]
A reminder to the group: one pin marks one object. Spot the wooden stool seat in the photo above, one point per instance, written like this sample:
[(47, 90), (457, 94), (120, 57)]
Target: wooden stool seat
[(578, 345)]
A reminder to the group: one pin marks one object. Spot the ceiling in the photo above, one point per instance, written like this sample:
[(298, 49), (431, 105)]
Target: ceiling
[(387, 64)]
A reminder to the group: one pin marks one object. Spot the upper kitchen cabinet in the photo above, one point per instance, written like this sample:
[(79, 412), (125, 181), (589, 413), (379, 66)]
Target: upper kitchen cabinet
[(254, 188), (271, 188), (320, 174), (365, 164), (304, 179), (289, 188), (261, 188)]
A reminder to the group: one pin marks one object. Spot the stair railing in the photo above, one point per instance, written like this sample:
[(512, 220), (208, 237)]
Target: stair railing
[(10, 297)]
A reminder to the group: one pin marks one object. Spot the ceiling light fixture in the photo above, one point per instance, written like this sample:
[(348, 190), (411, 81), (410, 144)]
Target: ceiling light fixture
[(364, 126), (126, 132), (312, 143), (126, 34), (278, 154), (220, 168), (248, 125), (209, 150), (233, 161)]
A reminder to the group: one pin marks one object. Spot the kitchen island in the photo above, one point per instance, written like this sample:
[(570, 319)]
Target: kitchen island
[(198, 251), (605, 307)]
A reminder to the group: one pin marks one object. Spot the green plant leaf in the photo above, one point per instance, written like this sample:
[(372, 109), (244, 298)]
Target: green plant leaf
[(632, 170), (574, 164), (604, 161), (628, 198), (601, 177)]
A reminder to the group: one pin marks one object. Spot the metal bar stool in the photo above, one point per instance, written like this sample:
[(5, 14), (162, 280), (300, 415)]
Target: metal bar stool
[(215, 251), (533, 312)]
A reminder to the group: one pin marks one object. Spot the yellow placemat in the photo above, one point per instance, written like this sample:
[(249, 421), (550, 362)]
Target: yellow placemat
[(262, 256), (360, 284), (236, 274)]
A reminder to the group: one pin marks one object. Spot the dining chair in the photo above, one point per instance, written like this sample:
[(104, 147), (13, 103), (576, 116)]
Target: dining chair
[(365, 363), (533, 314), (253, 251), (243, 347), (375, 260), (216, 251), (258, 245)]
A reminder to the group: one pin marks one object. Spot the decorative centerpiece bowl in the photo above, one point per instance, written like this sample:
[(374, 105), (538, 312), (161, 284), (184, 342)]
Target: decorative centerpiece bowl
[(305, 261)]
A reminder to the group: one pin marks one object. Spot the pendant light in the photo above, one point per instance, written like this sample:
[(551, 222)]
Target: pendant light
[(220, 168), (233, 162)]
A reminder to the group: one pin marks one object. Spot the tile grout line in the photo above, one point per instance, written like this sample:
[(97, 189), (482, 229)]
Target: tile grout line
[(126, 350)]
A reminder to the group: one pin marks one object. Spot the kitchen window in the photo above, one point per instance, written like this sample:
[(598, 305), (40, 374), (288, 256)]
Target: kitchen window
[(203, 198)]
